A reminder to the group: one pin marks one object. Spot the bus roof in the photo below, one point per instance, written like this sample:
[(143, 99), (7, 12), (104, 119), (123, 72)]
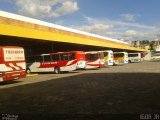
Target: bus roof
[(93, 52), (58, 53), (105, 51), (133, 53)]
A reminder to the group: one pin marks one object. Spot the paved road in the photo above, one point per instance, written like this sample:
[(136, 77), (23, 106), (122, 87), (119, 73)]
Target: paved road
[(132, 88)]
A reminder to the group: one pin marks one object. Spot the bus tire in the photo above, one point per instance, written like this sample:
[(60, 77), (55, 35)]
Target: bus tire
[(28, 71), (129, 61), (57, 70)]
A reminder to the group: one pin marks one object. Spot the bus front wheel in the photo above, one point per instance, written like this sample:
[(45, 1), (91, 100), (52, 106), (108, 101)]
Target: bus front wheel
[(57, 70)]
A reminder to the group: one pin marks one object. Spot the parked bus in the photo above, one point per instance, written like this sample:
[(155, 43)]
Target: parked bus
[(12, 63), (155, 55), (120, 58), (94, 59), (56, 62), (134, 57), (108, 57)]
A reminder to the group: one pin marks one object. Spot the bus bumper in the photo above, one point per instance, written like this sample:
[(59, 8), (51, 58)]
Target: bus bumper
[(7, 76)]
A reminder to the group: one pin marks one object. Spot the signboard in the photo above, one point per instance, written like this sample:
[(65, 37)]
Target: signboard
[(13, 54)]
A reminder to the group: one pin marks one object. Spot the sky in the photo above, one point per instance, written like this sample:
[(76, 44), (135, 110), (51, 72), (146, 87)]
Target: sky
[(126, 20)]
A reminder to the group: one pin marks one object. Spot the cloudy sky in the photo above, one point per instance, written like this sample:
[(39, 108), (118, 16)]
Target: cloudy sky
[(120, 19)]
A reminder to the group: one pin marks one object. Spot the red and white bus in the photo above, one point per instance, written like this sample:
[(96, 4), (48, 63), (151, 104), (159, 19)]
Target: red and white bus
[(12, 63), (94, 59), (56, 62)]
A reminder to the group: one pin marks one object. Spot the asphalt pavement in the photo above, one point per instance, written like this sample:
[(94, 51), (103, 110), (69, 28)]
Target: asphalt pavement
[(130, 90)]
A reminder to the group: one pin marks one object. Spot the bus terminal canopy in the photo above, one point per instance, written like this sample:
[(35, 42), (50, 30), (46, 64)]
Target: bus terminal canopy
[(20, 26)]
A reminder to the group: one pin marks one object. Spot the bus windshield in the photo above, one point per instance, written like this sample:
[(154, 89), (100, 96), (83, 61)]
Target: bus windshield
[(119, 55), (105, 54)]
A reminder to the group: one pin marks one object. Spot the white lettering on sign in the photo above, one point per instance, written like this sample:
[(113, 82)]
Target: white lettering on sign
[(13, 54), (14, 51)]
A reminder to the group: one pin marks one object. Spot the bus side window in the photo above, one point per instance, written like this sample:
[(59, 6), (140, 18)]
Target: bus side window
[(71, 56), (93, 56), (132, 55), (55, 57), (39, 59), (115, 55), (64, 56), (121, 55), (87, 56), (47, 58)]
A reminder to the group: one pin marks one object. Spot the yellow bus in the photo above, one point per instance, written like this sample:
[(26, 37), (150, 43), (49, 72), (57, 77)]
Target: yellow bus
[(120, 58), (108, 57)]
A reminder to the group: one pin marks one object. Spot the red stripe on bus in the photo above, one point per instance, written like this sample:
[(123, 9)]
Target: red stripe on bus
[(7, 64), (20, 68)]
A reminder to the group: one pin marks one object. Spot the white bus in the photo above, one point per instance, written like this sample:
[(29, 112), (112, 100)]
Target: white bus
[(108, 57), (134, 57), (120, 58)]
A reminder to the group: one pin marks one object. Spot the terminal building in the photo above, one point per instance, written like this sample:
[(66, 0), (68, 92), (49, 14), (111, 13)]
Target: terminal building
[(38, 37)]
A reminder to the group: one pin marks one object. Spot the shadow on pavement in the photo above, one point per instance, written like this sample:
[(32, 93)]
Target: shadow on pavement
[(103, 94), (158, 60), (65, 72), (9, 82)]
